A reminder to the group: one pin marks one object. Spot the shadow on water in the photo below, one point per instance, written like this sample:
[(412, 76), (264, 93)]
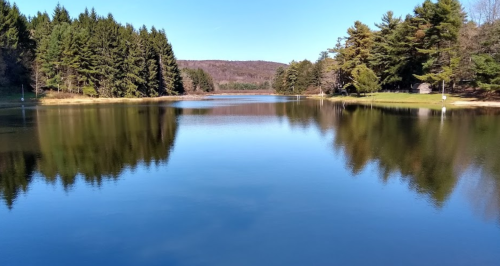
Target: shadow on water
[(96, 143), (431, 152)]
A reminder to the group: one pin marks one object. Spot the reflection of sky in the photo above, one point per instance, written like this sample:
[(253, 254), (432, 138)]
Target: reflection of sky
[(220, 101), (233, 193)]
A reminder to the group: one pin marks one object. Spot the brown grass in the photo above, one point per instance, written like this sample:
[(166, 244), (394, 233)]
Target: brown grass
[(53, 98)]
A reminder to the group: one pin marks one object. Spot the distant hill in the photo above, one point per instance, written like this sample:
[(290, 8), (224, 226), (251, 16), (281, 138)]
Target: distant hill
[(224, 72)]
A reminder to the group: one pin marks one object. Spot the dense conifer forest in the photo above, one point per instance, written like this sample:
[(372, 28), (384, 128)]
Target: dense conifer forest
[(91, 54), (439, 43)]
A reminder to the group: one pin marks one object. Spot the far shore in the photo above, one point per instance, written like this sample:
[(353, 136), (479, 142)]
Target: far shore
[(393, 99), (88, 100), (82, 100)]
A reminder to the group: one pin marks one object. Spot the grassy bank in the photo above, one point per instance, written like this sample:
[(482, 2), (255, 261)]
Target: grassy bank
[(415, 100), (400, 98), (13, 100), (87, 100), (54, 98)]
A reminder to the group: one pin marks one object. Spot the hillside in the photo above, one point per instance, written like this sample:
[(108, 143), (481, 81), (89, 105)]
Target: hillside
[(224, 72)]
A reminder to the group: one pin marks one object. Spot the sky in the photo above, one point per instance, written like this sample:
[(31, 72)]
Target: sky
[(270, 30)]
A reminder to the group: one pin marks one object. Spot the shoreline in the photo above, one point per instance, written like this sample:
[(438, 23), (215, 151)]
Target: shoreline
[(71, 101), (413, 100), (477, 104), (85, 101)]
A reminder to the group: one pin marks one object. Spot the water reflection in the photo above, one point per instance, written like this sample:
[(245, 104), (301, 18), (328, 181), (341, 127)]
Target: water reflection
[(95, 143), (427, 149), (430, 151)]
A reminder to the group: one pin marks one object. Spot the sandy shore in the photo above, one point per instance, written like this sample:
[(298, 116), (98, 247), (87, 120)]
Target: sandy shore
[(477, 104)]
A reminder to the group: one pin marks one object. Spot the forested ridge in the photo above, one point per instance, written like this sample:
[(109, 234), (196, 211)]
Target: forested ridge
[(236, 75), (91, 54), (439, 43)]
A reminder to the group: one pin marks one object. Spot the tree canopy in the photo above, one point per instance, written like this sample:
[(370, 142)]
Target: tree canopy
[(438, 42), (90, 54)]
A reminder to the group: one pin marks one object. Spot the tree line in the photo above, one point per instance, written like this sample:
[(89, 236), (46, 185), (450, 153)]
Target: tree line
[(240, 86), (197, 80), (299, 76), (439, 43), (90, 54)]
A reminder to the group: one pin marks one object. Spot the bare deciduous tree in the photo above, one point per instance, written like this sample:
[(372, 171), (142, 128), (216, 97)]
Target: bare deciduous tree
[(485, 11)]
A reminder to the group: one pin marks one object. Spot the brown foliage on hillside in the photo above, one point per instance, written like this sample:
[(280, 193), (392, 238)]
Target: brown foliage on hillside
[(223, 72)]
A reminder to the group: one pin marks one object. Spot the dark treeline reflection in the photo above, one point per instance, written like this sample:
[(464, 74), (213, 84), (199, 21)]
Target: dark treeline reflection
[(429, 150), (95, 143)]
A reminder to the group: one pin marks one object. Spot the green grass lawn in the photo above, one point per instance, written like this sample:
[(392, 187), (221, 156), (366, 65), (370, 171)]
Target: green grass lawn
[(16, 97), (386, 97)]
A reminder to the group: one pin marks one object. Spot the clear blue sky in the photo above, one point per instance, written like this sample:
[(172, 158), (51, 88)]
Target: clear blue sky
[(272, 30)]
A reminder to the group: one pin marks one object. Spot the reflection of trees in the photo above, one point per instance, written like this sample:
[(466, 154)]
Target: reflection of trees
[(18, 153), (399, 143), (307, 113), (100, 142), (429, 153), (91, 142), (16, 170)]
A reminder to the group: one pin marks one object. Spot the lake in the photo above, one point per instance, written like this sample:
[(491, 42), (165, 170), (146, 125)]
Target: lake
[(249, 180)]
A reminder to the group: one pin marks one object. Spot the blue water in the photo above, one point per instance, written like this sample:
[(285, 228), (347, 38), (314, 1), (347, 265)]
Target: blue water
[(249, 180)]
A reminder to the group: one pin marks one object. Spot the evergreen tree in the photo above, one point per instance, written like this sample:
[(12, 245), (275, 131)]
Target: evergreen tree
[(291, 76), (93, 55), (168, 72), (365, 80), (353, 51), (16, 48), (386, 53), (150, 70), (317, 73), (60, 15), (441, 41), (199, 80), (133, 63), (487, 70), (278, 81), (40, 26)]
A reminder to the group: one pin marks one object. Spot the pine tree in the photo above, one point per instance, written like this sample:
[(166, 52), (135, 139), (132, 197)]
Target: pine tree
[(87, 52), (487, 70), (441, 41), (16, 47), (133, 63), (291, 76), (108, 58), (304, 76), (278, 81), (93, 55), (385, 50), (40, 26), (60, 15), (150, 70), (354, 51), (365, 80)]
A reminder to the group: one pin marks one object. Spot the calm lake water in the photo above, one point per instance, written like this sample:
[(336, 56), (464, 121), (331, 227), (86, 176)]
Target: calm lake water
[(251, 180)]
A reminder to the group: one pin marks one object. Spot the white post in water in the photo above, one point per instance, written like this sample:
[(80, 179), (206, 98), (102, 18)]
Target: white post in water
[(22, 93)]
